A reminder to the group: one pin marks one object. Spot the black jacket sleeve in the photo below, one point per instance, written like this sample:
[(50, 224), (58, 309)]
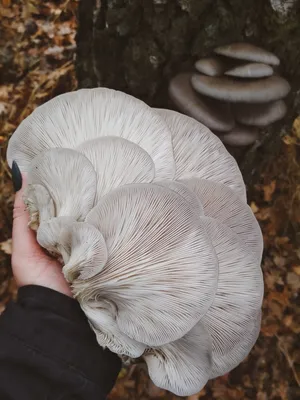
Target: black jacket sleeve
[(48, 351)]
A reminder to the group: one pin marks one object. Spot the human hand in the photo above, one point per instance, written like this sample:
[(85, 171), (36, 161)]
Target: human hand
[(30, 264)]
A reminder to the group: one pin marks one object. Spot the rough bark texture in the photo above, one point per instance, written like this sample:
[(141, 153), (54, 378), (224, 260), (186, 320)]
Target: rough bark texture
[(137, 45)]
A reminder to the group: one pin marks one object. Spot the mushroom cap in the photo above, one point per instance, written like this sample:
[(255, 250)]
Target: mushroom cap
[(182, 367), (117, 162), (152, 234), (81, 245), (251, 70), (260, 114), (212, 114), (211, 66), (68, 177), (261, 90), (248, 52), (234, 317), (199, 153), (240, 136), (223, 205), (73, 118)]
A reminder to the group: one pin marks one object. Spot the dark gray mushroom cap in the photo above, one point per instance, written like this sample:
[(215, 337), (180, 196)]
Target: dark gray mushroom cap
[(248, 52), (240, 136), (212, 114), (260, 114), (212, 66), (257, 91), (251, 70)]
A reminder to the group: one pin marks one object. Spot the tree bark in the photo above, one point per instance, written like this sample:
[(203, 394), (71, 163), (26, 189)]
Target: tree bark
[(136, 46)]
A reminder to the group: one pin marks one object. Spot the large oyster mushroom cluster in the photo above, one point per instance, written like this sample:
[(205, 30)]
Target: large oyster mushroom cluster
[(236, 92), (148, 212)]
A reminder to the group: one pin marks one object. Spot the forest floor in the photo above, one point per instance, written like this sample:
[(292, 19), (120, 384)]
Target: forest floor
[(37, 55)]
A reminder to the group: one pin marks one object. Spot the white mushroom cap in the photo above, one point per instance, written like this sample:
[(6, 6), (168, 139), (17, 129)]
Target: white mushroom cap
[(162, 271), (200, 154), (211, 66), (233, 320), (73, 118), (117, 162), (184, 366), (223, 205), (256, 91), (212, 114), (248, 52), (240, 136), (69, 178), (260, 114), (81, 245), (251, 70)]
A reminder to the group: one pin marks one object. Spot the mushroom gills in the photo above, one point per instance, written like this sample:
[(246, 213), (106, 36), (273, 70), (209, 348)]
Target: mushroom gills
[(199, 153), (152, 233)]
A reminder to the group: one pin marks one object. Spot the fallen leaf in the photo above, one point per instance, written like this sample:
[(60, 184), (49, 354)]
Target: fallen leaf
[(6, 246), (296, 127), (269, 190)]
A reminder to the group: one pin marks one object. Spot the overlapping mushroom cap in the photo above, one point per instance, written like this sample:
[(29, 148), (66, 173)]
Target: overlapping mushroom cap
[(234, 92), (148, 211)]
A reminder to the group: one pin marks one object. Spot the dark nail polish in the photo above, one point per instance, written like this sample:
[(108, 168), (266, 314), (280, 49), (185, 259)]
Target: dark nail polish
[(16, 176)]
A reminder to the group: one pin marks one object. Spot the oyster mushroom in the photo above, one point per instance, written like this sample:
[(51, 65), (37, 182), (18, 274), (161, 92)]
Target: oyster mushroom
[(256, 91), (147, 212), (248, 52)]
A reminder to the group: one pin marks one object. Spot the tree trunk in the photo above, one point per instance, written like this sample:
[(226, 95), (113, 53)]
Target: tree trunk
[(136, 46)]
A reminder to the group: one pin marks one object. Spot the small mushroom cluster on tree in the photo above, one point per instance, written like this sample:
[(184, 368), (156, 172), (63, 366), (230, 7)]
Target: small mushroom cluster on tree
[(234, 93), (147, 211)]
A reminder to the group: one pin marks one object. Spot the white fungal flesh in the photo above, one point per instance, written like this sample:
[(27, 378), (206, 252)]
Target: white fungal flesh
[(117, 162), (73, 118), (200, 154), (69, 178), (154, 241), (182, 367), (234, 313)]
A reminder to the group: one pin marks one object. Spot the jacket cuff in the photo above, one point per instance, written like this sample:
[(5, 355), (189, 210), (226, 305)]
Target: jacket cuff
[(54, 325)]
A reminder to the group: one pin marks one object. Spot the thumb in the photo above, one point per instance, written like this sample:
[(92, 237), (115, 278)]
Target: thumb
[(23, 237)]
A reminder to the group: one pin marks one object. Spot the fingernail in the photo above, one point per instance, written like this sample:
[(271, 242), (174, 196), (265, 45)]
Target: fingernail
[(16, 176)]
